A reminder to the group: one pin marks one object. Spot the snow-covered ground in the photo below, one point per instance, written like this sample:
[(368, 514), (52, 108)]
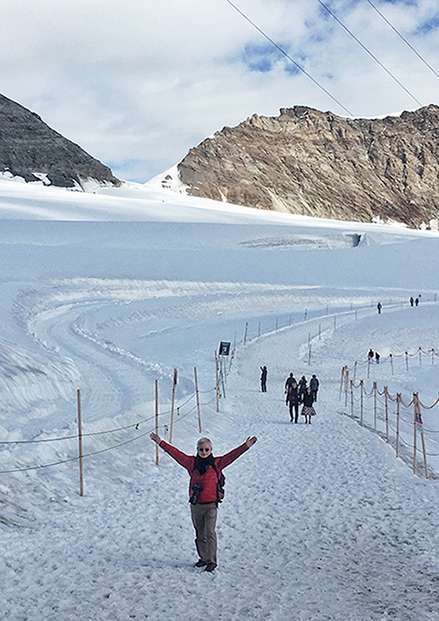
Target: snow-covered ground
[(108, 292)]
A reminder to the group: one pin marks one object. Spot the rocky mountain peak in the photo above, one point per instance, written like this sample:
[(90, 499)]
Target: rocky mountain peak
[(31, 149), (319, 164)]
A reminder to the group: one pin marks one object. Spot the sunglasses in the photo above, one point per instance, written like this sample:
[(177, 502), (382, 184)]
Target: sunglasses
[(204, 450)]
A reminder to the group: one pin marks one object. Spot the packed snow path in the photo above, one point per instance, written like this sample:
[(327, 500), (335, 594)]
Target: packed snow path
[(320, 521)]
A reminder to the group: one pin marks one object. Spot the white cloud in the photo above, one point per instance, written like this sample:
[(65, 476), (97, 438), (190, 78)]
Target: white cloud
[(138, 83)]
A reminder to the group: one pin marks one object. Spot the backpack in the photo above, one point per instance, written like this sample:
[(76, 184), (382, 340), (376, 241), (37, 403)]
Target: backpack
[(220, 492)]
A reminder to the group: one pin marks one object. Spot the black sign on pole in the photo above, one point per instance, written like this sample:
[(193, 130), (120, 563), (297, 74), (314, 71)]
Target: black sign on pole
[(224, 349)]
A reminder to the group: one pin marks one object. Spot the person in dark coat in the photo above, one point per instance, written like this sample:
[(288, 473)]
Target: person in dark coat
[(289, 381), (370, 354), (308, 409), (377, 357), (264, 379), (379, 307), (205, 471), (314, 385), (302, 387), (293, 401)]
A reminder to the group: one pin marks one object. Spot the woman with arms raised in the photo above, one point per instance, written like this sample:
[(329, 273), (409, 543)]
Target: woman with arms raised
[(205, 491)]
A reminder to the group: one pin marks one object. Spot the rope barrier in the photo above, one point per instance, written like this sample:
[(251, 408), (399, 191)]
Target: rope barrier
[(97, 433), (381, 413), (104, 450), (383, 359)]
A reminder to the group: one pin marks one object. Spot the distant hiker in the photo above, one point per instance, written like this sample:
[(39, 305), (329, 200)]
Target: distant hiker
[(370, 354), (416, 301), (377, 357), (314, 385), (411, 301), (293, 401), (308, 410), (289, 381), (302, 387), (205, 491), (264, 379), (379, 307)]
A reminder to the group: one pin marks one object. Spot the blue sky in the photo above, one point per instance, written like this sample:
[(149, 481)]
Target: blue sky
[(138, 83)]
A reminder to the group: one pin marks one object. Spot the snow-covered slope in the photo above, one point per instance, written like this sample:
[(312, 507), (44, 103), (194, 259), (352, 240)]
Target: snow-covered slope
[(109, 292)]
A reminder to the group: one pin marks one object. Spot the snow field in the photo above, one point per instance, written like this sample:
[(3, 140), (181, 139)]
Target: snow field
[(319, 522)]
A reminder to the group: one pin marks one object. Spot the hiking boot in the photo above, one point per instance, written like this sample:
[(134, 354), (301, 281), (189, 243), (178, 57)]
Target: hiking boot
[(210, 567), (200, 563)]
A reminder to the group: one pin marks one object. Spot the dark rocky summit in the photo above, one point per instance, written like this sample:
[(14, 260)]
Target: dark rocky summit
[(319, 164), (29, 147)]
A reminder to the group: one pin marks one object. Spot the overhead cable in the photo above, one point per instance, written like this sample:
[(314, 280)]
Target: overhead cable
[(282, 51), (403, 38), (368, 52)]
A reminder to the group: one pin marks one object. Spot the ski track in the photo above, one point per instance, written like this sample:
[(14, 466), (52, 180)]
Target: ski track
[(315, 525)]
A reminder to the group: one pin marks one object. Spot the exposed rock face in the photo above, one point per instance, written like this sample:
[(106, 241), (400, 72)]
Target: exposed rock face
[(318, 164), (29, 146)]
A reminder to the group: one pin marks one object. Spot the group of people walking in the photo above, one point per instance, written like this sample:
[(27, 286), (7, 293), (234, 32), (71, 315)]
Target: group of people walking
[(415, 301), (371, 356), (299, 393)]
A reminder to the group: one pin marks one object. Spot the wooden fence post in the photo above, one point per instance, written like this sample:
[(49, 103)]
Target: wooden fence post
[(414, 433), (198, 399), (218, 386), (174, 387), (418, 417), (81, 469), (346, 388), (361, 402), (352, 399), (224, 368), (398, 401), (375, 406), (343, 371), (245, 332), (386, 401), (157, 420), (425, 455)]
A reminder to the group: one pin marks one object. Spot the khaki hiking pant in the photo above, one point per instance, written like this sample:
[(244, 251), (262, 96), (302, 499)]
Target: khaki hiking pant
[(204, 520)]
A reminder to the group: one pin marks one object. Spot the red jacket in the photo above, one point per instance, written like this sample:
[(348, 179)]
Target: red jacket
[(208, 481)]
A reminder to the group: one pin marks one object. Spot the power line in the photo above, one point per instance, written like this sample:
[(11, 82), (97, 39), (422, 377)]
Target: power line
[(403, 38), (368, 52), (282, 51)]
